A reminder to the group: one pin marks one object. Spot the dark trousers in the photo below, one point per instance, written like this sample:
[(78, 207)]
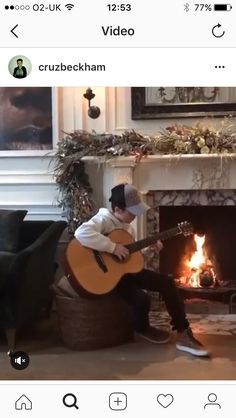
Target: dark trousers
[(131, 287)]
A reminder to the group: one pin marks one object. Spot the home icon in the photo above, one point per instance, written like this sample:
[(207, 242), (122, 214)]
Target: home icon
[(23, 403)]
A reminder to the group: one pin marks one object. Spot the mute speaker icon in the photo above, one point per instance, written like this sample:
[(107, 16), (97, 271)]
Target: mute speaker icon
[(19, 360)]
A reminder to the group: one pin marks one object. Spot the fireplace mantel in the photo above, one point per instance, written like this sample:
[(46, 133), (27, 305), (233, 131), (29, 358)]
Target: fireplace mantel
[(171, 172), (163, 173)]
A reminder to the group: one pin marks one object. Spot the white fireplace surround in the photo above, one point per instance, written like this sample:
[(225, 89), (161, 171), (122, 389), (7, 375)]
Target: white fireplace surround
[(180, 180)]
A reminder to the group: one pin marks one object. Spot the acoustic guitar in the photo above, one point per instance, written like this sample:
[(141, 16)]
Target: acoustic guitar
[(99, 272)]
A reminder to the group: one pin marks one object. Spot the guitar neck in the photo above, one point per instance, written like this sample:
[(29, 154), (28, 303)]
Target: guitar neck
[(146, 242)]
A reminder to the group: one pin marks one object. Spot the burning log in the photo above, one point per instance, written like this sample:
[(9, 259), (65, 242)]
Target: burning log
[(206, 278)]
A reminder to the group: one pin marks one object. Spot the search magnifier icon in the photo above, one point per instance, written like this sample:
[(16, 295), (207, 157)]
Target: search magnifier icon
[(70, 400)]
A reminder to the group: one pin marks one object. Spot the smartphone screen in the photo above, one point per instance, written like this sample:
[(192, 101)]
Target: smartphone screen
[(117, 208)]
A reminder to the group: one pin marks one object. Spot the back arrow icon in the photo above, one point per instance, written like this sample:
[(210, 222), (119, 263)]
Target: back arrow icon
[(12, 31), (213, 31)]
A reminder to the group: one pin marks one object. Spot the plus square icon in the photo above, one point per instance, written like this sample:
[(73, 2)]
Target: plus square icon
[(118, 401)]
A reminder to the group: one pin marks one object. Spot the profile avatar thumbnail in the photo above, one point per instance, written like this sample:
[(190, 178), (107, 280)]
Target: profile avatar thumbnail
[(19, 67)]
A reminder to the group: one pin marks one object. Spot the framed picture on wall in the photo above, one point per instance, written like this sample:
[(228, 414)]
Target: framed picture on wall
[(182, 102), (27, 120)]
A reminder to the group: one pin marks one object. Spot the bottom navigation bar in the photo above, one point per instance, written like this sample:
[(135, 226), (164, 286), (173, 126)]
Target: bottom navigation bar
[(104, 400)]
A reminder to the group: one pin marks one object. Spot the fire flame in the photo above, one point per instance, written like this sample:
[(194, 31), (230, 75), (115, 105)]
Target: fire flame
[(198, 264), (198, 257)]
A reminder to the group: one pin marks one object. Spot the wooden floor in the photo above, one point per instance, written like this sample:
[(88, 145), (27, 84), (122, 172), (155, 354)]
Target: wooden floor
[(137, 360)]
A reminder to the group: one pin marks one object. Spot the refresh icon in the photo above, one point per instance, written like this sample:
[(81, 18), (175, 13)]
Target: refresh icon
[(216, 32)]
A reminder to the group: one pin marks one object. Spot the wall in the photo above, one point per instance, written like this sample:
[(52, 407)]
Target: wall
[(27, 181)]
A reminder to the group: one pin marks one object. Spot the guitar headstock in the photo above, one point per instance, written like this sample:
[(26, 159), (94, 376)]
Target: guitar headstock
[(186, 228)]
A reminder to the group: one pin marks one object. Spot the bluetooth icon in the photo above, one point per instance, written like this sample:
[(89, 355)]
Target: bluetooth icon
[(186, 7)]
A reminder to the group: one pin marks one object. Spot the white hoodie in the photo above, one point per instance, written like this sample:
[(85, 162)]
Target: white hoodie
[(92, 233)]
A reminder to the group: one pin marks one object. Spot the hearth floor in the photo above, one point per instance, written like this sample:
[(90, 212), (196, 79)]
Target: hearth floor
[(201, 323), (138, 360)]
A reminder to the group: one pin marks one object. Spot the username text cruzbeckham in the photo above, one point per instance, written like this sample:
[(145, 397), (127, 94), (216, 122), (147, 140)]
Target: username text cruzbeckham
[(72, 67)]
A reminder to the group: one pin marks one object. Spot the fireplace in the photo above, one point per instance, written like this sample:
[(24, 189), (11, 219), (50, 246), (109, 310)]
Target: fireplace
[(185, 182), (217, 224), (216, 220), (211, 213)]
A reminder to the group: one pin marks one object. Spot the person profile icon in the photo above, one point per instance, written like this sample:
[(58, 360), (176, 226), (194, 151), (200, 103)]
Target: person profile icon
[(19, 66), (212, 398), (20, 71)]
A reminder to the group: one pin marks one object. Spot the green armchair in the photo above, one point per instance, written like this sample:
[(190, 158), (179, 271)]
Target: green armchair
[(26, 276)]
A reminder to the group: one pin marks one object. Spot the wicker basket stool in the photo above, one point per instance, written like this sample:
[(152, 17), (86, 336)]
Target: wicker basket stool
[(90, 324)]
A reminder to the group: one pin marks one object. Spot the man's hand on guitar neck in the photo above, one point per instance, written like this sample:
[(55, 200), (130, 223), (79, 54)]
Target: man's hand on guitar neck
[(121, 252)]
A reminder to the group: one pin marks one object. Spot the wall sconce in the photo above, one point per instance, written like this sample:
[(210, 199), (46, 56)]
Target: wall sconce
[(93, 111)]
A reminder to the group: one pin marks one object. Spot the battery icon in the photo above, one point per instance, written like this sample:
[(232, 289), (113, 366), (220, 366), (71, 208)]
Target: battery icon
[(223, 7)]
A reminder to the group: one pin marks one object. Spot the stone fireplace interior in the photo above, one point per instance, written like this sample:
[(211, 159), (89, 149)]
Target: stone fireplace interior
[(217, 223)]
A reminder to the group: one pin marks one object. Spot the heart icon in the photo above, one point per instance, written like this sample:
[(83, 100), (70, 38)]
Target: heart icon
[(165, 400)]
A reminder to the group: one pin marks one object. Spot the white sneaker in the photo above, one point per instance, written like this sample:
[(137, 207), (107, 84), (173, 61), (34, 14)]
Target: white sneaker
[(188, 343)]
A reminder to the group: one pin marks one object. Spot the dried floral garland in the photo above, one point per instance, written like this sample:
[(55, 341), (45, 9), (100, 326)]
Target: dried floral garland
[(75, 192), (198, 139)]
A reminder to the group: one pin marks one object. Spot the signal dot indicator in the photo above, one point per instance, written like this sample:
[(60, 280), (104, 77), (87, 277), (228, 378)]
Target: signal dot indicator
[(9, 7)]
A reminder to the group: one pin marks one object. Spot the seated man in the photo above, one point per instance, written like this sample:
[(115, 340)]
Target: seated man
[(126, 205)]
